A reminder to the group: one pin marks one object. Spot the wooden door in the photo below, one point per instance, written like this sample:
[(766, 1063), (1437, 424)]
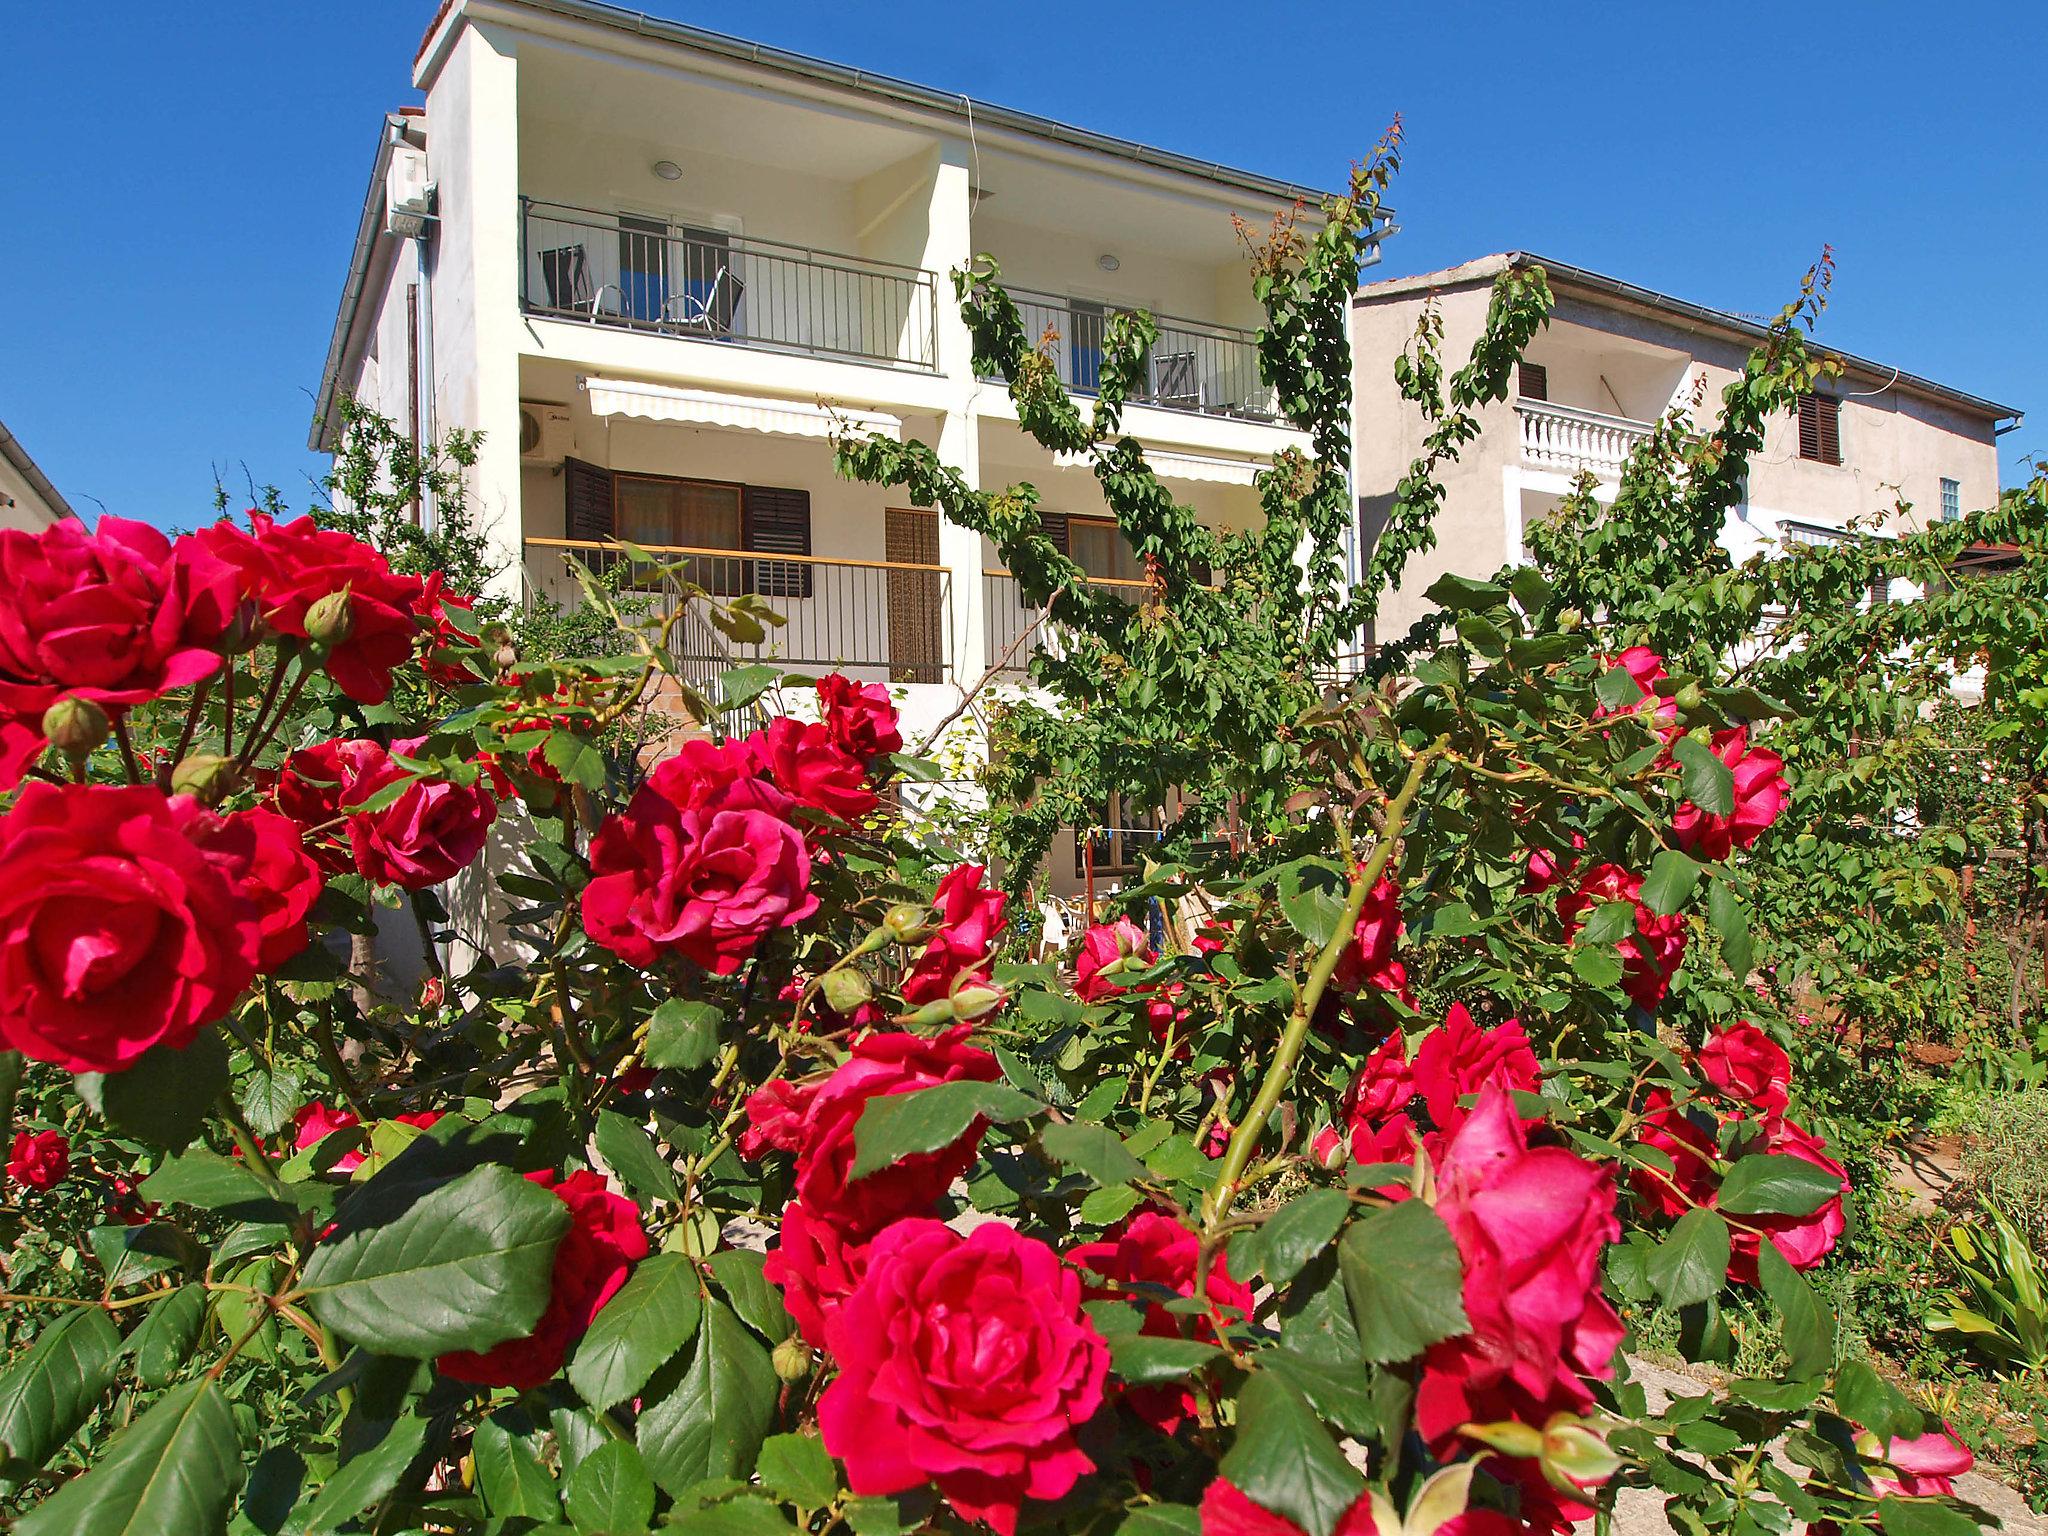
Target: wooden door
[(916, 646)]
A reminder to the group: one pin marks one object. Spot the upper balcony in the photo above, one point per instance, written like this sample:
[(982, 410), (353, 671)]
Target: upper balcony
[(1568, 439), (1193, 366), (656, 275)]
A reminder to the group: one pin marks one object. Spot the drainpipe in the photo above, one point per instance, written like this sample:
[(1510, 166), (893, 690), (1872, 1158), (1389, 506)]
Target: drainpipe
[(423, 256)]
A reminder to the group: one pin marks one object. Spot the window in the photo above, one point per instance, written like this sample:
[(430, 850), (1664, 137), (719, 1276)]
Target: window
[(692, 514), (1084, 346), (643, 267), (1820, 429), (1097, 545), (1951, 501), (1119, 844), (1533, 381)]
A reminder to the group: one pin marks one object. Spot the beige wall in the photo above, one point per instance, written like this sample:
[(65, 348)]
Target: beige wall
[(1056, 262), (21, 505)]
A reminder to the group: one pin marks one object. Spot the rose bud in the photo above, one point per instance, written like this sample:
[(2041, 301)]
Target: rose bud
[(845, 990), (792, 1359), (1329, 1150), (1689, 697), (1575, 1457), (976, 1002), (207, 777), (76, 727), (906, 923), (331, 620)]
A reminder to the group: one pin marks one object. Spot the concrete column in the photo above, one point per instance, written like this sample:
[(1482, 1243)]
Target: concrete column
[(949, 245)]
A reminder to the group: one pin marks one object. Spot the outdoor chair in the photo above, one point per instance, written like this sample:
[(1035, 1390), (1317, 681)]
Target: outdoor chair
[(706, 307), (1176, 381), (566, 272)]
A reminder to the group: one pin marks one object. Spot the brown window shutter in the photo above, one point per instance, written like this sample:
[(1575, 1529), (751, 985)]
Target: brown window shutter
[(1820, 429), (777, 520), (1054, 527), (586, 501), (1533, 381)]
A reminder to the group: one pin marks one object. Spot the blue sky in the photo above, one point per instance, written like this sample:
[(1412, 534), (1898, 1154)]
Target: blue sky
[(181, 183)]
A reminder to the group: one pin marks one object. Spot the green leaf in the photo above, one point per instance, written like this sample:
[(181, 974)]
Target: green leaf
[(165, 1097), (1900, 1516), (210, 1182), (742, 685), (1162, 1520), (1777, 1184), (1873, 1402), (1596, 965), (682, 1034), (1705, 779), (463, 1266), (1144, 1359), (1300, 1230), (163, 1340), (748, 1291), (1805, 1326), (1618, 689), (1401, 1271), (1691, 1264), (365, 1478), (900, 1125), (510, 1477), (1339, 1390), (1731, 922), (1094, 1149), (578, 761), (1312, 896), (269, 1099), (629, 1151), (648, 1322), (1285, 1461), (1611, 922), (1462, 594), (798, 1470), (53, 1386), (1670, 883), (174, 1469), (708, 1418), (610, 1492)]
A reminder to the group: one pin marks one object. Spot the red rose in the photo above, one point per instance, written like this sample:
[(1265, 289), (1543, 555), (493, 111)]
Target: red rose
[(266, 859), (126, 1206), (314, 1123), (859, 720), (1650, 956), (1760, 795), (39, 1161), (596, 1254), (289, 567), (1107, 949), (1377, 1130), (1369, 961), (775, 1119), (1530, 1226), (106, 616), (444, 638), (816, 1267), (1458, 1058), (883, 1064), (1150, 1248), (1749, 1066), (1227, 1512), (117, 933), (966, 1362), (808, 767), (1927, 1465), (435, 828), (971, 920), (313, 785), (1647, 668), (704, 863)]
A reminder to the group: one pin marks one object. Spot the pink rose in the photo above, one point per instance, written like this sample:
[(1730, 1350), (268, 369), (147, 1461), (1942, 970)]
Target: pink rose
[(1760, 795), (1458, 1058), (965, 1362), (859, 719), (775, 1119), (1370, 962), (1647, 668), (1530, 1225), (704, 864), (1106, 949), (117, 932), (1927, 1465), (1650, 956), (433, 829), (970, 922), (314, 1123)]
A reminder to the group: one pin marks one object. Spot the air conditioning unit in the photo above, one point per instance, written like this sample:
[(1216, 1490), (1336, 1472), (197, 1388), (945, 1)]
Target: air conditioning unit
[(545, 432), (408, 195)]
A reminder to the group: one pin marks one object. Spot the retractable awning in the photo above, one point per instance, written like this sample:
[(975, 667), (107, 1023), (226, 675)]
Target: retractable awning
[(1168, 465), (740, 413)]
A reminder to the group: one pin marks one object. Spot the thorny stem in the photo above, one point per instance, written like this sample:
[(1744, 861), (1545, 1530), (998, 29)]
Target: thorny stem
[(192, 716), (252, 1149), (128, 758)]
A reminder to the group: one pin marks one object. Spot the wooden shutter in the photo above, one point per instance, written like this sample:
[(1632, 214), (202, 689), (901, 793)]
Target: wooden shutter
[(1820, 429), (586, 501), (1533, 382), (1054, 527), (777, 520)]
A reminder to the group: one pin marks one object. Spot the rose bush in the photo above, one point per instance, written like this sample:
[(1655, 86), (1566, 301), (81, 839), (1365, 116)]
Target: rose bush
[(706, 1153)]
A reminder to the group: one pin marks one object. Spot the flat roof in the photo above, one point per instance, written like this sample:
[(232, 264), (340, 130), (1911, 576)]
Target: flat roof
[(969, 110), (1562, 273)]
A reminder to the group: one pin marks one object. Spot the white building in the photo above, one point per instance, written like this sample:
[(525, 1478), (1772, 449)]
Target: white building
[(651, 262), (1615, 358), (27, 499)]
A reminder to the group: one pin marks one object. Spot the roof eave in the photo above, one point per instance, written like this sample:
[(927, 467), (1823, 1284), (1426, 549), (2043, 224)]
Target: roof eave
[(370, 236), (16, 455)]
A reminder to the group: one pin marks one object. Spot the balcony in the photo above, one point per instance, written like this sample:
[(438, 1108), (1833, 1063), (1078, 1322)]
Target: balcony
[(876, 619), (651, 275), (1568, 439), (1194, 366)]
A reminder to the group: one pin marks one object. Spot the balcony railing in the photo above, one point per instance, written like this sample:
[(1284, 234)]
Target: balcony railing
[(675, 280), (1193, 366), (1564, 437), (886, 617), (1016, 631)]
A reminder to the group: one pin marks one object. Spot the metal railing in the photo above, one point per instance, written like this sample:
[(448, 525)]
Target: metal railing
[(1568, 438), (1193, 366), (887, 617), (676, 280), (1016, 631)]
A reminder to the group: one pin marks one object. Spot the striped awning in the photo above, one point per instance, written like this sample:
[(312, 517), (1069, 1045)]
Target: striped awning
[(740, 413), (1168, 465)]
